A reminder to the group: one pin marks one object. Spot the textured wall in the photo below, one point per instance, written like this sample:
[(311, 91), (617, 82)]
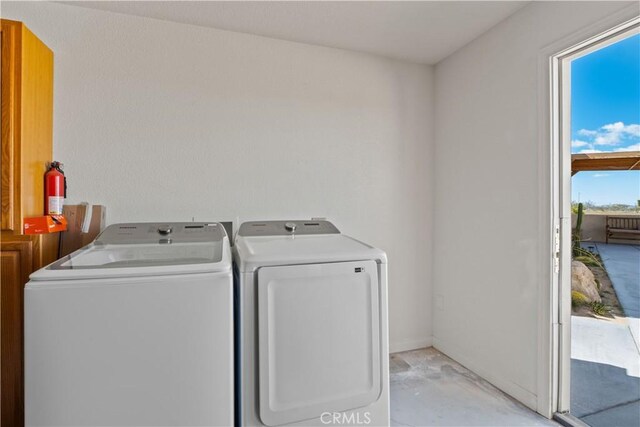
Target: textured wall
[(492, 200), (164, 122)]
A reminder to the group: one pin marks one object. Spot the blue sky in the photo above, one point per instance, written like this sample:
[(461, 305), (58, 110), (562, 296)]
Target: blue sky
[(605, 116)]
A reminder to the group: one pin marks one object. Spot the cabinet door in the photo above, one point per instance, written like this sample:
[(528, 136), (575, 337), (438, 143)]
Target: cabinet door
[(36, 122), (10, 122), (27, 123), (16, 265)]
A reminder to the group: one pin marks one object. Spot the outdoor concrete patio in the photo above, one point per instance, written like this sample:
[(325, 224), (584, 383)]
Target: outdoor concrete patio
[(605, 365), (430, 389)]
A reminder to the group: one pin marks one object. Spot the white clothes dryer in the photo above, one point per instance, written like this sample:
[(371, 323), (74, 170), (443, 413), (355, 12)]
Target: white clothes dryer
[(312, 326)]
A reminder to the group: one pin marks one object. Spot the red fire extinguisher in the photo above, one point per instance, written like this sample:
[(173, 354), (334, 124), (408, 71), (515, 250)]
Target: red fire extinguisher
[(55, 189)]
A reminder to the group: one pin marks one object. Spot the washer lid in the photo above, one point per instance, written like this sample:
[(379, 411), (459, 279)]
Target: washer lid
[(125, 250), (144, 255)]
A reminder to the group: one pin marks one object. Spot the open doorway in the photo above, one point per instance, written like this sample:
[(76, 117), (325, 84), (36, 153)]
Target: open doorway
[(597, 131)]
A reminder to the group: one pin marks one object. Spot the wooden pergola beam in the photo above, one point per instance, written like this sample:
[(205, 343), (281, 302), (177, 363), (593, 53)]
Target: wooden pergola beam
[(618, 161)]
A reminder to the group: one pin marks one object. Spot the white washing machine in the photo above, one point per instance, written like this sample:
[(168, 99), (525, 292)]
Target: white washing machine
[(135, 329), (312, 324)]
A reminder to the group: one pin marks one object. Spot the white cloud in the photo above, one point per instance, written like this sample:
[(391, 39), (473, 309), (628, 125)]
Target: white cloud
[(576, 143), (590, 150), (634, 147), (600, 175), (607, 139), (587, 132), (611, 134), (633, 130)]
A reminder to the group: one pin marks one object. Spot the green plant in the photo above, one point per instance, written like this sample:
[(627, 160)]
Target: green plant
[(586, 257), (580, 215), (598, 284), (576, 237), (587, 260), (600, 309), (578, 299)]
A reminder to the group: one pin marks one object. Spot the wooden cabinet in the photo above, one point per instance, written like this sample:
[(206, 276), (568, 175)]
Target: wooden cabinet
[(27, 123), (16, 265), (26, 130)]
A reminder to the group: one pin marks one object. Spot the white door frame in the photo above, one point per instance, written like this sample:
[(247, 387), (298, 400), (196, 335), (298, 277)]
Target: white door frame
[(554, 359)]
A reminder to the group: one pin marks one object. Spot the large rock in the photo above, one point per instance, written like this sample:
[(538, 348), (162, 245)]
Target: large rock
[(583, 281)]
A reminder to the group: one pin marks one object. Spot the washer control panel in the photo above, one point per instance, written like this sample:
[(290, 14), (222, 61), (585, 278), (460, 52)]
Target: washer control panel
[(287, 228), (169, 232)]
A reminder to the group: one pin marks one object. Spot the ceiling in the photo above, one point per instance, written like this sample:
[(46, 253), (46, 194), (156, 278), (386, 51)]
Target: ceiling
[(416, 31)]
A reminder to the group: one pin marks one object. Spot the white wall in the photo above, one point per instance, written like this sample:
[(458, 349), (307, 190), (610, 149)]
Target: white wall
[(164, 122), (491, 207)]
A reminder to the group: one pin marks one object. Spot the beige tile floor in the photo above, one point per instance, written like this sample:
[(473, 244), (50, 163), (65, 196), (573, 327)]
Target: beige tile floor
[(430, 389)]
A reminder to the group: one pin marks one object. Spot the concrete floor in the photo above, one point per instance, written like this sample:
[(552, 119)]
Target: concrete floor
[(430, 389), (605, 373), (623, 266), (605, 355)]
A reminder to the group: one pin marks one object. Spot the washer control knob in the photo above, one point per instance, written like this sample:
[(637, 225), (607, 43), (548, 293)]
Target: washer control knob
[(165, 230), (290, 226)]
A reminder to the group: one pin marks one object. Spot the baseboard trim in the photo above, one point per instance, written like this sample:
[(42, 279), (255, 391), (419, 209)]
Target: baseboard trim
[(514, 390), (407, 345)]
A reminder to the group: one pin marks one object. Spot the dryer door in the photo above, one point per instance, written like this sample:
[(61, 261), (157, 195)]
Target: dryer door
[(319, 339)]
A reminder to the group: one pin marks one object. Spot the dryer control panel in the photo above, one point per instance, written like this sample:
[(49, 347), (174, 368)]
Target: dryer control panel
[(287, 228), (162, 232)]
